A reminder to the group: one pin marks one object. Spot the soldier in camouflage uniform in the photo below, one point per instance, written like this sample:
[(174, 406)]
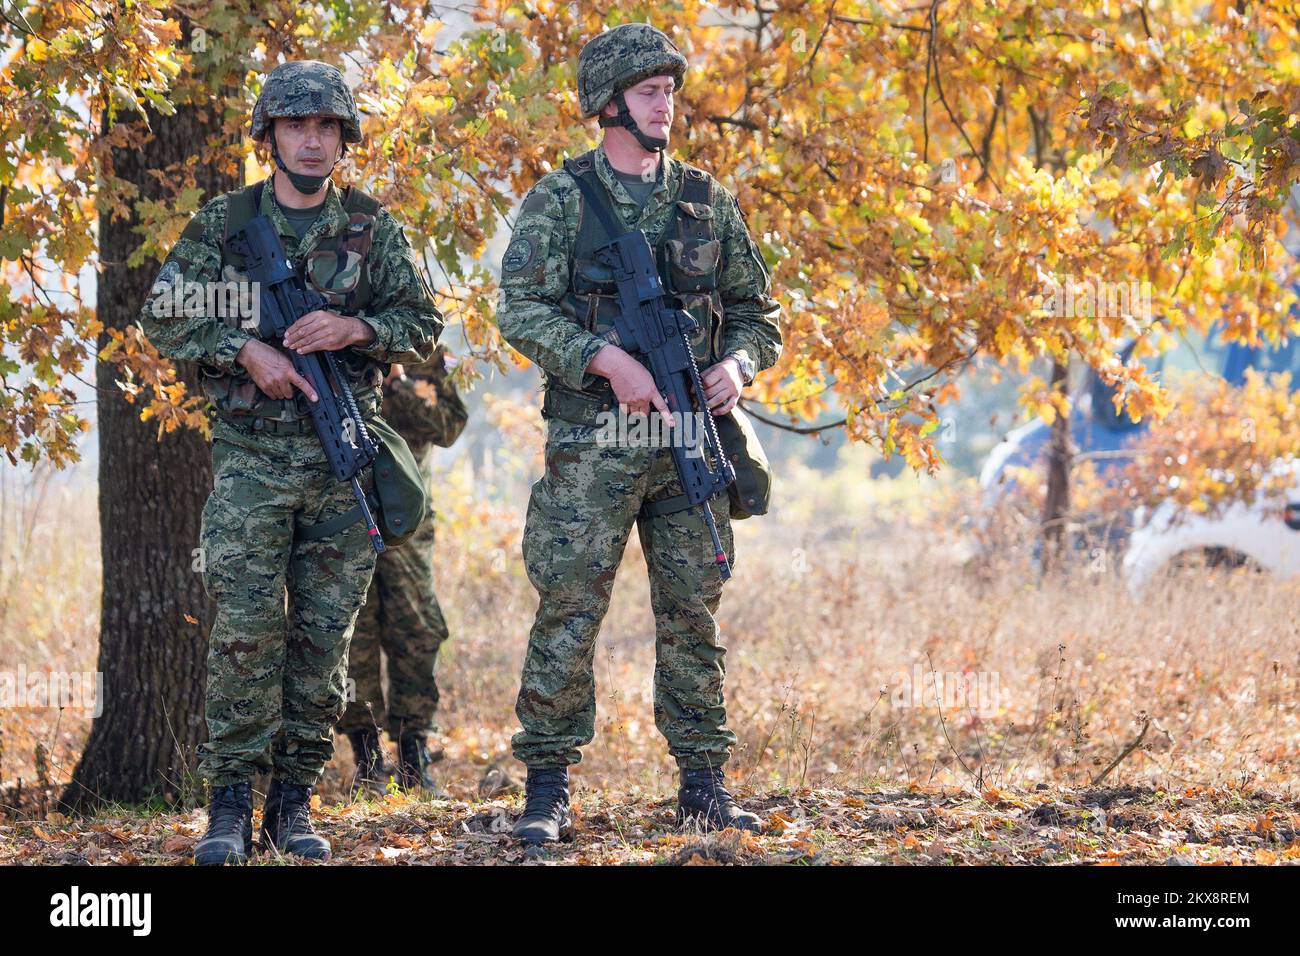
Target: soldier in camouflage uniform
[(401, 613), (557, 304), (275, 668)]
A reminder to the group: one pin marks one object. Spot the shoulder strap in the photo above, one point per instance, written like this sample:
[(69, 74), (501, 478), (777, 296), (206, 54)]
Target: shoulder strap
[(583, 171), (242, 207), (696, 188), (695, 185), (356, 201)]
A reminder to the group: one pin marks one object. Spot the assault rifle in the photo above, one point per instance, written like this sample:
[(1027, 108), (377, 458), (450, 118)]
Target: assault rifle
[(649, 323), (283, 298)]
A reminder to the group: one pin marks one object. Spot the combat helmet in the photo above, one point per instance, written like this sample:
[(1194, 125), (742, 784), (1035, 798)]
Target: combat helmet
[(621, 58), (305, 88)]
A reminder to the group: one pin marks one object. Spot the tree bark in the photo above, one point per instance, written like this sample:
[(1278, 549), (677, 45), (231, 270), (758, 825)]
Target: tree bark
[(151, 494), (1056, 508)]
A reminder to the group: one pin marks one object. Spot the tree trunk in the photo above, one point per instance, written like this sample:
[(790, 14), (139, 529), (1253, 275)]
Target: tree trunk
[(151, 494), (1056, 509)]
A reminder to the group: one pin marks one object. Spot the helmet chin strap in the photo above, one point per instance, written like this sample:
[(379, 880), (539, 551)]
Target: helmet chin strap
[(301, 181), (654, 144)]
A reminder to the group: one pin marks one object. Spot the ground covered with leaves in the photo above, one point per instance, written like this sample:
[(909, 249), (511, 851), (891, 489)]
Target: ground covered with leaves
[(1124, 825)]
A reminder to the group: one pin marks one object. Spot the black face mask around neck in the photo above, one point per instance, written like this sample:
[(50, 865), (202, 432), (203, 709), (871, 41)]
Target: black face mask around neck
[(301, 181)]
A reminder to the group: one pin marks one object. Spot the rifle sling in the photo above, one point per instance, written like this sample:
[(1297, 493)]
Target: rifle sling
[(668, 506), (325, 529)]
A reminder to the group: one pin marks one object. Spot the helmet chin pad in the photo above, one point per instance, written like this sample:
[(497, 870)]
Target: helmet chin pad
[(655, 144)]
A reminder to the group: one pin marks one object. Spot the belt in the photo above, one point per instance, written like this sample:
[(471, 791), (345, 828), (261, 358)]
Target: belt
[(287, 422), (260, 425), (580, 408)]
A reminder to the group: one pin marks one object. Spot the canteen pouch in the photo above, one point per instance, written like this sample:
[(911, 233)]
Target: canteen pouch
[(751, 492)]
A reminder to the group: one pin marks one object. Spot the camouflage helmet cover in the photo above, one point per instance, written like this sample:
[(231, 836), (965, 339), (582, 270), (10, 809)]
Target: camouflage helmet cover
[(623, 57), (306, 88)]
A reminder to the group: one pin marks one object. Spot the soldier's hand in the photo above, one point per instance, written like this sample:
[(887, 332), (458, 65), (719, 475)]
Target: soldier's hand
[(633, 385), (272, 371), (722, 385), (328, 331)]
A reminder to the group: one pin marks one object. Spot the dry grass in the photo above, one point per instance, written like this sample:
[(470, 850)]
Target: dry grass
[(824, 638), (834, 603)]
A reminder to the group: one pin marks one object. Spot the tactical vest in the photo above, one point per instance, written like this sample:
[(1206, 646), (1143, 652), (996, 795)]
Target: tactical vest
[(687, 253), (339, 269)]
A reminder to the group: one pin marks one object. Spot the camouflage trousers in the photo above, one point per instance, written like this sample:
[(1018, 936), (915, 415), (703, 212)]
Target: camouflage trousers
[(277, 654), (579, 517), (402, 616)]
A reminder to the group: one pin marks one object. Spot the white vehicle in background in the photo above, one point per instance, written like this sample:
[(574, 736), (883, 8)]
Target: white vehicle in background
[(1264, 535)]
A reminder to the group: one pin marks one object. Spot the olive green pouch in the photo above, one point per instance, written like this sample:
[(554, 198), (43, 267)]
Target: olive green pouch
[(399, 501), (751, 492), (399, 486)]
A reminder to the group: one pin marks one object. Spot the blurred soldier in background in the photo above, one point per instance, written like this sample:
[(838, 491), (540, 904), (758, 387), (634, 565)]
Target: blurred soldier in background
[(401, 614)]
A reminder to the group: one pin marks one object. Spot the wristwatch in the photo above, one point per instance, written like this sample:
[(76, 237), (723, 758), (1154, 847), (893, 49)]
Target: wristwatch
[(746, 365)]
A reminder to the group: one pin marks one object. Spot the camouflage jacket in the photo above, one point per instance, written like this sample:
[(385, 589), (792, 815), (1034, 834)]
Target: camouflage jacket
[(436, 417), (537, 268), (401, 309)]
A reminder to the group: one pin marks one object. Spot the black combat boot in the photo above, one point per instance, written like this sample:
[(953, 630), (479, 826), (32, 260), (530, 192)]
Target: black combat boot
[(230, 827), (546, 816), (286, 822), (704, 801), (369, 758), (413, 762)]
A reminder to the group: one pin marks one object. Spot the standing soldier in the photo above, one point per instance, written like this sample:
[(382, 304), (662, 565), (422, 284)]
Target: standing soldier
[(276, 668), (401, 613), (556, 302)]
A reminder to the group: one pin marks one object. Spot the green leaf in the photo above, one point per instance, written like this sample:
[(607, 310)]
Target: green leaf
[(13, 243)]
